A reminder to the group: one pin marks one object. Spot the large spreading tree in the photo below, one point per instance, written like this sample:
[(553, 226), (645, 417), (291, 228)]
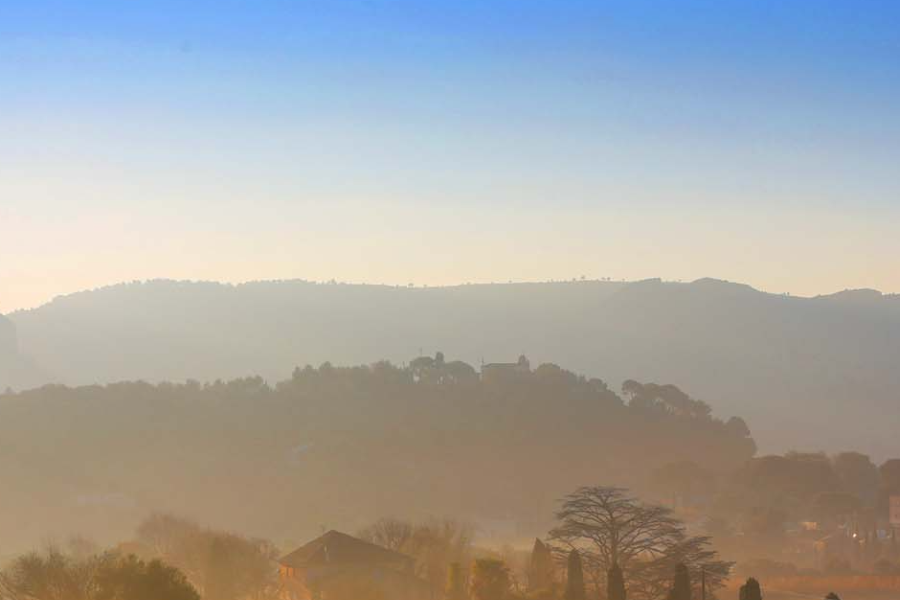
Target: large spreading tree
[(610, 527)]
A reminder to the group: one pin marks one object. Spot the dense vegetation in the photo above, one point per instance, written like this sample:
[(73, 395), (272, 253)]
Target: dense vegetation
[(339, 446), (54, 575)]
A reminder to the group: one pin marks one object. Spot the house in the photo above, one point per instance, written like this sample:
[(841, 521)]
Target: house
[(337, 566), (505, 372)]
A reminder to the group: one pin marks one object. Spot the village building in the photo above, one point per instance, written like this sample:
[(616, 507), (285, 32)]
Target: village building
[(505, 372), (336, 566)]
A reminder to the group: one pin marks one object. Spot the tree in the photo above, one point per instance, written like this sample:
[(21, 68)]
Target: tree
[(490, 579), (574, 577), (127, 578), (681, 586), (110, 576), (796, 476), (389, 533), (456, 585), (437, 370), (858, 475), (540, 570), (615, 584), (667, 399), (223, 566), (835, 506), (51, 576), (737, 427), (765, 521), (682, 481), (220, 581), (610, 527), (889, 475), (750, 590), (433, 544)]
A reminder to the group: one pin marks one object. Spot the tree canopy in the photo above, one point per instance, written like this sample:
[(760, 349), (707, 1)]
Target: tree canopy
[(610, 527), (110, 576), (352, 430)]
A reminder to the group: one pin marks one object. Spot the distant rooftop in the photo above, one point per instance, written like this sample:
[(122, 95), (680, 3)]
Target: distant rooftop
[(335, 547)]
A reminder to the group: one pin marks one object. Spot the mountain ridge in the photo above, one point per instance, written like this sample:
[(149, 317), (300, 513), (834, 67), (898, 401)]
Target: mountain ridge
[(799, 369)]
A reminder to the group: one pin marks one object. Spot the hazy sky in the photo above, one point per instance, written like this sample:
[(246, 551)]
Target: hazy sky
[(441, 142)]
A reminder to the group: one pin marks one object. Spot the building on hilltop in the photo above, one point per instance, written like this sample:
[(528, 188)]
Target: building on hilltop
[(502, 372), (337, 566)]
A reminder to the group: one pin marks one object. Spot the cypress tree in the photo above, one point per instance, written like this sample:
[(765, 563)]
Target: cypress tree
[(574, 577), (751, 590), (540, 574), (681, 587), (615, 583), (456, 586)]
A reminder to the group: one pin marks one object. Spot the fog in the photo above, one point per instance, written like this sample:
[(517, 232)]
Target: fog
[(449, 300), (215, 428), (801, 371)]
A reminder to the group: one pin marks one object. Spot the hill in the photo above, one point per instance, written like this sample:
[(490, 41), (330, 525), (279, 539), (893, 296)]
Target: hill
[(339, 447), (15, 370), (811, 373)]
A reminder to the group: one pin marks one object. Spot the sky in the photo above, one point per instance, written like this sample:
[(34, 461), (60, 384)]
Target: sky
[(437, 142)]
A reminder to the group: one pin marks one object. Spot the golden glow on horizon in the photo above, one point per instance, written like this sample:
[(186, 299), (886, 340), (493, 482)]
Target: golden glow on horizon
[(433, 245)]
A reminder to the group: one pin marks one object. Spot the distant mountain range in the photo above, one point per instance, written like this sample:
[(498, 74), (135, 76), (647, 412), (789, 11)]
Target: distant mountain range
[(807, 373)]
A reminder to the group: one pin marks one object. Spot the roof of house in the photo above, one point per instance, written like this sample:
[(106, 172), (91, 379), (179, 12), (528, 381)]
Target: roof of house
[(335, 547)]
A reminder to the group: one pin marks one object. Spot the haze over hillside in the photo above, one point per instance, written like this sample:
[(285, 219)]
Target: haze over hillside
[(343, 446), (15, 370), (811, 373)]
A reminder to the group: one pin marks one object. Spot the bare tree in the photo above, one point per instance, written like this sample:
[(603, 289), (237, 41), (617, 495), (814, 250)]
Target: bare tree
[(434, 544), (609, 527), (223, 566), (50, 576), (389, 533)]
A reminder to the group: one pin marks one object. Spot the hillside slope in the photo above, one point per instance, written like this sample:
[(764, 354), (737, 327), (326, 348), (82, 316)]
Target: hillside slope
[(338, 447), (812, 373), (15, 371)]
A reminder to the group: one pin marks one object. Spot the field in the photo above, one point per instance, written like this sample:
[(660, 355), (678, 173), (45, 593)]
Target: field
[(857, 587)]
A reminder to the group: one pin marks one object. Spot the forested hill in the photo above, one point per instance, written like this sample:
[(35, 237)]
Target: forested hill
[(339, 447), (805, 372)]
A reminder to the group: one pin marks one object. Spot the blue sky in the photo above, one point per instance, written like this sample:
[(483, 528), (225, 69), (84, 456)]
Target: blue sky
[(754, 141)]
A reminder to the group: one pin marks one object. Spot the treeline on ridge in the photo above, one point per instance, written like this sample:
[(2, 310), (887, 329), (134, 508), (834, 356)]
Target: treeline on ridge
[(431, 437)]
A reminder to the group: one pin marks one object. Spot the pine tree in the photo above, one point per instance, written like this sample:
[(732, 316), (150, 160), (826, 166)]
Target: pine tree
[(615, 583), (751, 590), (681, 587), (574, 577)]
